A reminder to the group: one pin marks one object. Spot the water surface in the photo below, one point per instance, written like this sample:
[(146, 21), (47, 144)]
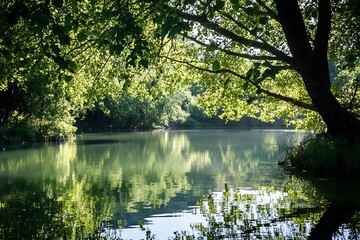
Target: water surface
[(169, 184)]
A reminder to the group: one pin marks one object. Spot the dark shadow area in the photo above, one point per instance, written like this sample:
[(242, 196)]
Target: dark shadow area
[(344, 199)]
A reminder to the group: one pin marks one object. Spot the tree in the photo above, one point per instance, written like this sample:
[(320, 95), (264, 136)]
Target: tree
[(276, 36), (260, 58), (57, 59)]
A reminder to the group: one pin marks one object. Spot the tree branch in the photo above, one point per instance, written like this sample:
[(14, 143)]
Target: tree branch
[(293, 101), (239, 24), (270, 12), (323, 28), (295, 31), (232, 53), (202, 20)]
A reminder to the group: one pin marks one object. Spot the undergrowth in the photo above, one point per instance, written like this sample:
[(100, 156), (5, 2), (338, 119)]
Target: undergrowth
[(325, 155)]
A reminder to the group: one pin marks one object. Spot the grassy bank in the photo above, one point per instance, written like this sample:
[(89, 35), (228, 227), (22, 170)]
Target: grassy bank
[(325, 156)]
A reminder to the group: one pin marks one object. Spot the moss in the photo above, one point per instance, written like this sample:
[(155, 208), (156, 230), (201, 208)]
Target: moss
[(325, 155)]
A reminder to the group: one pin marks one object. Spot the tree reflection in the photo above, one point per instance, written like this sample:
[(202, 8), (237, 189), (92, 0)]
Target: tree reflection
[(294, 211), (267, 213), (78, 190)]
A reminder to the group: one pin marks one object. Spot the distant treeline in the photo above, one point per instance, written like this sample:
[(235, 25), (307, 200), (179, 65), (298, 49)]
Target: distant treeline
[(178, 111)]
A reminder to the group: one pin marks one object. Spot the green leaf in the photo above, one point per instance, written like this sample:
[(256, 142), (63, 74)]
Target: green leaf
[(68, 23), (57, 3), (115, 49), (184, 26), (41, 19), (249, 73), (235, 4), (61, 32), (68, 78), (250, 10), (64, 39), (81, 36), (271, 72), (173, 32), (256, 73), (220, 4), (211, 47), (72, 66), (167, 26), (254, 31), (226, 82), (60, 61), (263, 20), (216, 65), (267, 64), (189, 1), (144, 63), (246, 85)]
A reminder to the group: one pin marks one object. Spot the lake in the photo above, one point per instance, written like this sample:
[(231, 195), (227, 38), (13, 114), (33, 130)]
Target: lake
[(208, 184)]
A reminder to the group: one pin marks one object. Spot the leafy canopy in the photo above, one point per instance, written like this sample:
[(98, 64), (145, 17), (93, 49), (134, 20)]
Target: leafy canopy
[(62, 57)]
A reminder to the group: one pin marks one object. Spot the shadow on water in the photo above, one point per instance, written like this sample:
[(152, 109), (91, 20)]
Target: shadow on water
[(343, 210), (300, 209)]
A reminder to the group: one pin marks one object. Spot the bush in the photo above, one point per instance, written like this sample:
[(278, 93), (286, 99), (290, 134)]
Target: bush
[(325, 155)]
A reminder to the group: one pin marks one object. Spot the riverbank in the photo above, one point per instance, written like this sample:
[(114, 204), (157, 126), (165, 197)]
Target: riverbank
[(324, 156)]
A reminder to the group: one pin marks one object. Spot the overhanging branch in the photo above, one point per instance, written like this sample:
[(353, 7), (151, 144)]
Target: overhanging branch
[(232, 53), (293, 101), (202, 20)]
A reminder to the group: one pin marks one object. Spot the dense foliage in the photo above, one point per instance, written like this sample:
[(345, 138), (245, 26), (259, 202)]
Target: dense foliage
[(62, 58)]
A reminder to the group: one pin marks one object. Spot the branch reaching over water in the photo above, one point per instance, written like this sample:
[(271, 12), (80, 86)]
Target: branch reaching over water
[(293, 101)]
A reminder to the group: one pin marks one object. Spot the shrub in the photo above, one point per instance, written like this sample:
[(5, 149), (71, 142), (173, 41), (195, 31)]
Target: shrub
[(325, 155)]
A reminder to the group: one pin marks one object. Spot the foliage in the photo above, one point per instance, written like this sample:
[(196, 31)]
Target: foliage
[(57, 58), (131, 112), (62, 58), (244, 62), (325, 155)]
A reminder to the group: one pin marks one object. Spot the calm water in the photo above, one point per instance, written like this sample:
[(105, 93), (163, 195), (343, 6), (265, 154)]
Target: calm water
[(169, 185)]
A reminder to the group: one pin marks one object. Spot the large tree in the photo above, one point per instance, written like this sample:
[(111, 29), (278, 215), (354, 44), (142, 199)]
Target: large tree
[(260, 58), (276, 36)]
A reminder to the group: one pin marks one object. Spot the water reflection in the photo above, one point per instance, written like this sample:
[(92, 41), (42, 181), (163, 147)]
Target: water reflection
[(135, 185), (261, 214)]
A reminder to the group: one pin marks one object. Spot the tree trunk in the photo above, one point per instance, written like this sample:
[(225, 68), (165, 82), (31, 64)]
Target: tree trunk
[(310, 61), (339, 122)]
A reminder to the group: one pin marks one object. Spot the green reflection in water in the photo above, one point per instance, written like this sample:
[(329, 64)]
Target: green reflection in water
[(265, 213), (114, 181)]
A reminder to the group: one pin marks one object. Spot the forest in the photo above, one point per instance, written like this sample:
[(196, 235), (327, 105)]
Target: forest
[(69, 66)]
